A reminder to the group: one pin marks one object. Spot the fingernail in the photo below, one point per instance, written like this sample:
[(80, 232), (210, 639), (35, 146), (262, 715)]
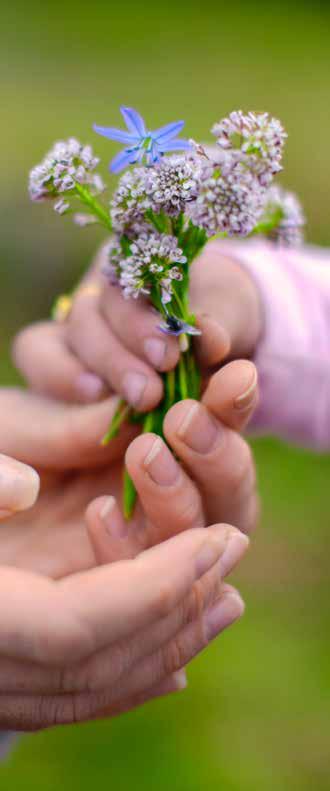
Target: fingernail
[(89, 387), (155, 349), (179, 679), (245, 400), (19, 485), (28, 487), (161, 465), (236, 545), (133, 387), (226, 610), (198, 430), (211, 551), (112, 519)]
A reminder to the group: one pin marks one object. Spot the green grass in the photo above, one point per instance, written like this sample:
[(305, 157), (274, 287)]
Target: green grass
[(256, 713)]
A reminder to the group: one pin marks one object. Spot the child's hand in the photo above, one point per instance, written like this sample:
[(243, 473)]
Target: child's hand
[(108, 343)]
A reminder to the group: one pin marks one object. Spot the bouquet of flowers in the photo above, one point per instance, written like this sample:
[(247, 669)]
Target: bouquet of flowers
[(166, 206)]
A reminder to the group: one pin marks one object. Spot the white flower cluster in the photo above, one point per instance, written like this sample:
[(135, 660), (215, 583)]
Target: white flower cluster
[(166, 187), (154, 260), (255, 139), (231, 200), (289, 230), (68, 163)]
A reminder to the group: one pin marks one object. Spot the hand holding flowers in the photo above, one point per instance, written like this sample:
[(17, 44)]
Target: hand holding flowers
[(163, 213)]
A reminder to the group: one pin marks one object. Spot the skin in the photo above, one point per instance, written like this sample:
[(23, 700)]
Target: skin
[(97, 340), (80, 641)]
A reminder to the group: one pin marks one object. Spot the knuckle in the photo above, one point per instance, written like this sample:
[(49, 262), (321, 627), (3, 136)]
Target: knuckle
[(164, 600), (62, 710), (80, 708), (106, 668), (63, 644), (41, 712), (173, 656), (83, 707), (54, 711), (194, 603), (241, 472), (251, 514), (188, 511), (203, 594)]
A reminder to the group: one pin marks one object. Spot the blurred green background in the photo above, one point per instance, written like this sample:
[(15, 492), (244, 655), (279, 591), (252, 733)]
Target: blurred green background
[(256, 715)]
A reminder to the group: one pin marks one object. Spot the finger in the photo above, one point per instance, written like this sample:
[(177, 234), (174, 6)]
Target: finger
[(147, 341), (102, 353), (170, 500), (111, 536), (107, 666), (68, 621), (114, 664), (232, 393), (33, 712), (21, 713), (218, 460), (53, 435), (174, 683), (186, 645), (213, 345), (41, 354), (19, 486)]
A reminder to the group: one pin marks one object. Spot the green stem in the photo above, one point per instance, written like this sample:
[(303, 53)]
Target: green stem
[(268, 223), (183, 379), (129, 495), (220, 235), (93, 204), (148, 423), (119, 417), (129, 490), (169, 390), (180, 304), (194, 376)]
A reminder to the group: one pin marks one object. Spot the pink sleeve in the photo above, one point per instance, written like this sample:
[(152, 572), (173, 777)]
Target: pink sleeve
[(293, 356)]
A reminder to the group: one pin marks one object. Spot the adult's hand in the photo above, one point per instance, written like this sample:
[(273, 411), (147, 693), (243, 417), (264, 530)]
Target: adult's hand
[(100, 642), (106, 637), (51, 539), (218, 484)]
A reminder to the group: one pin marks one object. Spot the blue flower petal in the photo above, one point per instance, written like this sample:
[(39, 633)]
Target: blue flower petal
[(168, 131), (175, 326), (133, 121), (173, 145), (115, 134), (121, 161)]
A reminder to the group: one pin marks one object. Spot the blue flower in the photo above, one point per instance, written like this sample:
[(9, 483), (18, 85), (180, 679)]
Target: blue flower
[(175, 326), (141, 144)]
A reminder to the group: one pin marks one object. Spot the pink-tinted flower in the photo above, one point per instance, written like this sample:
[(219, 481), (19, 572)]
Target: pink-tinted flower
[(291, 221), (68, 163), (255, 139), (230, 200)]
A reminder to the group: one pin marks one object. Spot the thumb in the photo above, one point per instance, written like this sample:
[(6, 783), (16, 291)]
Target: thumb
[(19, 486)]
